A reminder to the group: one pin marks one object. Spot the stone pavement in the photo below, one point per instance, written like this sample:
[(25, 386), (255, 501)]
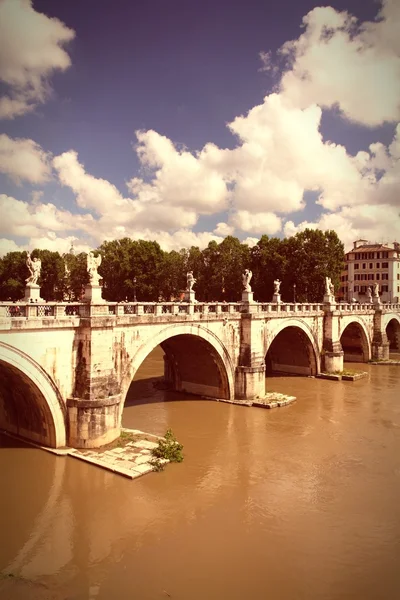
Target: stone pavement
[(131, 460)]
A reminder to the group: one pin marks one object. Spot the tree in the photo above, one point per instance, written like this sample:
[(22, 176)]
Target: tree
[(311, 256), (13, 273)]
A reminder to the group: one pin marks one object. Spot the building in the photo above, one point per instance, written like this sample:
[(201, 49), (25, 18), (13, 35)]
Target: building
[(369, 263)]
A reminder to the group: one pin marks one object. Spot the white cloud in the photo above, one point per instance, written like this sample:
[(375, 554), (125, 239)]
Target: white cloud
[(179, 178), (25, 220), (24, 160), (224, 229), (256, 222), (250, 241), (373, 222), (337, 62), (9, 246), (31, 49)]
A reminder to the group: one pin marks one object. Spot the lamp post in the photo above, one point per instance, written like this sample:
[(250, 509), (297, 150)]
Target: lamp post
[(294, 293), (134, 289)]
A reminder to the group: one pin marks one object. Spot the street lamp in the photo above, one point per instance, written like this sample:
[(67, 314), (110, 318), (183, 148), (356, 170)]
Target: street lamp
[(294, 293), (134, 289)]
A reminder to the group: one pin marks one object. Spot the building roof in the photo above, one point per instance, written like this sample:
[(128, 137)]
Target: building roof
[(370, 248)]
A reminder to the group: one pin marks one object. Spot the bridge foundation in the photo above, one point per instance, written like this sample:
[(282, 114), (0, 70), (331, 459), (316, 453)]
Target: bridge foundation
[(93, 423), (250, 373)]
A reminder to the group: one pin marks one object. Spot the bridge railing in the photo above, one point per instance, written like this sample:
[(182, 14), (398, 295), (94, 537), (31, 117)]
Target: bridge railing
[(289, 307), (55, 310)]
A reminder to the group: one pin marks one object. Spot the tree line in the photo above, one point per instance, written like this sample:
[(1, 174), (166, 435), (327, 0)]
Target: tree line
[(141, 269)]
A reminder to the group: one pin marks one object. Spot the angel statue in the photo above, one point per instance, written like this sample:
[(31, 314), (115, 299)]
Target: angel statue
[(277, 286), (93, 263), (376, 290), (246, 278), (34, 267), (190, 281), (329, 287)]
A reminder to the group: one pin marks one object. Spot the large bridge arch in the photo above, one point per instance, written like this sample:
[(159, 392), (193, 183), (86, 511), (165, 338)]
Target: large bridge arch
[(173, 339), (303, 357), (355, 340), (30, 403)]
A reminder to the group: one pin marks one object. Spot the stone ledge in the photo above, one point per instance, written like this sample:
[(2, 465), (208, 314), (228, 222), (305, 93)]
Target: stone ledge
[(86, 403), (385, 362)]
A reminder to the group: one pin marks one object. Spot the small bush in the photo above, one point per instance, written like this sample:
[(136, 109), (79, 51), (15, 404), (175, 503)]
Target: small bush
[(168, 449)]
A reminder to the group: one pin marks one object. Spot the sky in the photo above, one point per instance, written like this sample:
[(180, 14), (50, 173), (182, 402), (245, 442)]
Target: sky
[(183, 121)]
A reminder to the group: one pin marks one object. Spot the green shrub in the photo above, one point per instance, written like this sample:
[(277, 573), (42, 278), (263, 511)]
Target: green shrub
[(168, 449)]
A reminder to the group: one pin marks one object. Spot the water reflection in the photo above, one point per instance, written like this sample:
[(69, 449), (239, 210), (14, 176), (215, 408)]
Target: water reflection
[(298, 502)]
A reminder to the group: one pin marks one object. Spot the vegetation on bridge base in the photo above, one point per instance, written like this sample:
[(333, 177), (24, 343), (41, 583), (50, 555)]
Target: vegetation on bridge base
[(168, 450)]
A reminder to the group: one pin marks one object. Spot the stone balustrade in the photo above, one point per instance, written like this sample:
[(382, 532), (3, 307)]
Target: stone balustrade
[(57, 310)]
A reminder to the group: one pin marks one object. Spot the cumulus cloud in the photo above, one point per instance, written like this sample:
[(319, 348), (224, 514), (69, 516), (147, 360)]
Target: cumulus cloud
[(25, 220), (338, 62), (31, 49), (24, 160), (224, 229), (256, 222), (373, 222), (179, 178)]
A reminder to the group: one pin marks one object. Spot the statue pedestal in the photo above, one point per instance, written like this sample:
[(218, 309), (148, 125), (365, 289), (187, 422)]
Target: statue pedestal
[(247, 296), (190, 296), (276, 298), (376, 300), (93, 294), (32, 293), (329, 299)]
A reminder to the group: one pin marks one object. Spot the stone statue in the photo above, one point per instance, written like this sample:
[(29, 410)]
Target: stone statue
[(93, 263), (376, 290), (246, 278), (329, 287), (190, 281), (34, 267), (277, 286), (369, 294)]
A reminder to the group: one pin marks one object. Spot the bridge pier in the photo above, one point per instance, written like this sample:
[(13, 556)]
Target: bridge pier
[(93, 410), (332, 351), (380, 343), (250, 373)]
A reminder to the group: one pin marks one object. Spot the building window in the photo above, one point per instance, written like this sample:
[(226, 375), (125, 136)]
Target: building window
[(385, 276), (384, 288), (385, 265), (356, 265), (377, 276), (385, 254), (378, 265), (371, 276), (398, 275), (364, 265), (356, 288)]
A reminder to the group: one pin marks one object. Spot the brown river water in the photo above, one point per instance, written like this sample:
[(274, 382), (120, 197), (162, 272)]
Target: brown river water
[(299, 502)]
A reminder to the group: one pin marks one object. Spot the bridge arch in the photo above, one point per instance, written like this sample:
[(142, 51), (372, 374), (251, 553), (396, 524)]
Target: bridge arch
[(30, 403), (392, 329), (355, 340), (179, 342), (291, 348)]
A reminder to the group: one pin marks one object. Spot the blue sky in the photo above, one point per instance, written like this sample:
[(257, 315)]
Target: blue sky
[(236, 135)]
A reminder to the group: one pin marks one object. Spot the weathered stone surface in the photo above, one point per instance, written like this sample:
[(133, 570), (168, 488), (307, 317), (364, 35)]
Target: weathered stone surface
[(79, 363)]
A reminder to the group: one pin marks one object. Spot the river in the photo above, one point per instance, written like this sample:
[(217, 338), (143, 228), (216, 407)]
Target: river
[(299, 502)]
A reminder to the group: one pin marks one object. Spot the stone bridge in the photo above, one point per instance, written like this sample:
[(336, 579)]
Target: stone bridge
[(65, 369)]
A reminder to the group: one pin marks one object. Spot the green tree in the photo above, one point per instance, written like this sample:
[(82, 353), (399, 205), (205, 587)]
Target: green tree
[(13, 273)]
